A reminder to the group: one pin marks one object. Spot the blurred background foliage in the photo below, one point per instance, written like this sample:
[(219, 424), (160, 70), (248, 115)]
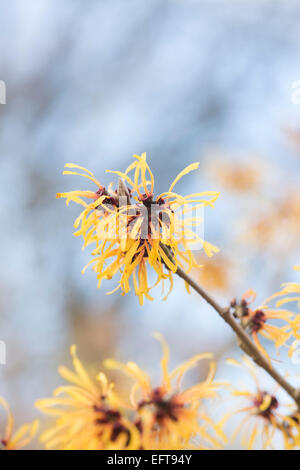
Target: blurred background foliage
[(94, 82)]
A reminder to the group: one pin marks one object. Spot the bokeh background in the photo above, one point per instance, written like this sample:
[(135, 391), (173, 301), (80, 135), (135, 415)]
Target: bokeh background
[(93, 82)]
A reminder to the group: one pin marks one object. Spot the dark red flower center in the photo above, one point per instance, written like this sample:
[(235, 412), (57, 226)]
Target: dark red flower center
[(163, 407), (257, 322), (273, 405), (113, 418)]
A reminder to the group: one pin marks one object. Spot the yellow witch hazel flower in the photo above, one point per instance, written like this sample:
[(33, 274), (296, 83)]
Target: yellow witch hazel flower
[(10, 440), (290, 293), (289, 288), (264, 416), (257, 321), (170, 418), (86, 415), (290, 428), (133, 230)]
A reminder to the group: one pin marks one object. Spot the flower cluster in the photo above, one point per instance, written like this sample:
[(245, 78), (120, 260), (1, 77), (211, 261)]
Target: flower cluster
[(135, 233), (166, 416), (132, 229), (88, 414)]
